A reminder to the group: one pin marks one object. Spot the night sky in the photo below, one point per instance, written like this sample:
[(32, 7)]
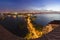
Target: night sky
[(16, 5)]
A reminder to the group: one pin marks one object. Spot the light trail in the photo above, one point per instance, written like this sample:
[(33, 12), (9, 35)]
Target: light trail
[(47, 29), (33, 33)]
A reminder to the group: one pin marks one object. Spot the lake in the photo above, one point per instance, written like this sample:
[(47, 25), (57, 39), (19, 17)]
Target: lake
[(18, 25), (44, 19)]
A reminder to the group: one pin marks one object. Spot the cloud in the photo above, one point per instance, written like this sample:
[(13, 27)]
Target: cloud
[(54, 7)]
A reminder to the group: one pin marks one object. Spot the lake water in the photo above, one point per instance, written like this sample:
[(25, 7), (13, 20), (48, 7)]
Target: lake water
[(44, 19), (18, 25)]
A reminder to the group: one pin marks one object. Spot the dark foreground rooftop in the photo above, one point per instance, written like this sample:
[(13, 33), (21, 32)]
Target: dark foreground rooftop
[(55, 22)]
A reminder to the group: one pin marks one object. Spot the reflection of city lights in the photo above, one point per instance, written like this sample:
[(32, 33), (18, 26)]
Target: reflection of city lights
[(19, 16), (14, 16), (9, 15)]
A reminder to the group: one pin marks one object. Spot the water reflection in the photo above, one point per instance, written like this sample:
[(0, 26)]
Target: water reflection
[(18, 24), (44, 19)]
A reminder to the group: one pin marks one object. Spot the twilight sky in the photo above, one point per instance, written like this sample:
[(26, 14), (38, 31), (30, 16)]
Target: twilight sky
[(16, 5)]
